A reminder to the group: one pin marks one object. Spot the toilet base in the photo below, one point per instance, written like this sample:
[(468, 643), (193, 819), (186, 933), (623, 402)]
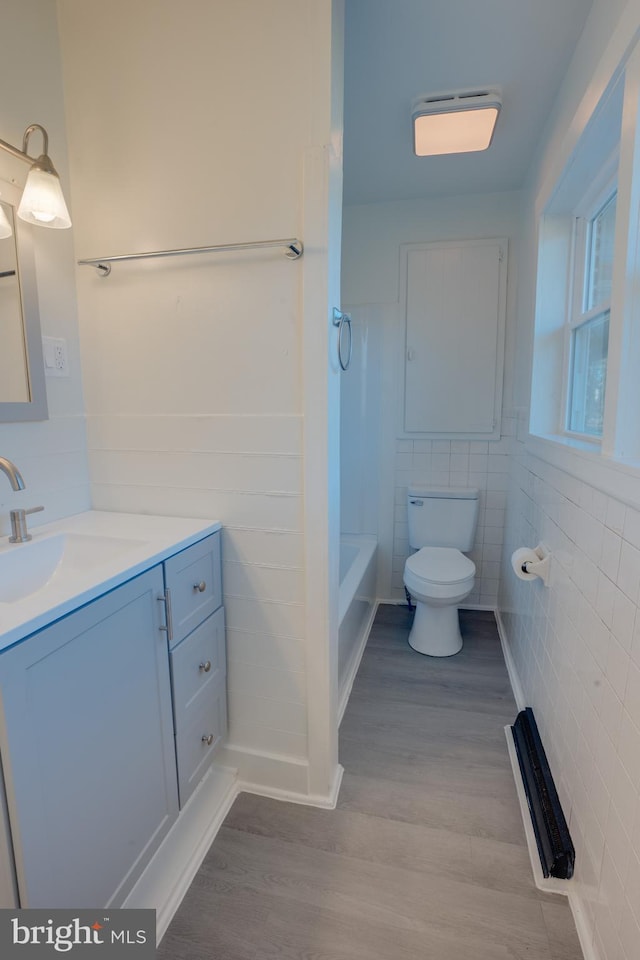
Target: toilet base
[(436, 630)]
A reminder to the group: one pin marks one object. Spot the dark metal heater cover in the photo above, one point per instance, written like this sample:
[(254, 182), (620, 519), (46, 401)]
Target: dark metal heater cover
[(557, 853)]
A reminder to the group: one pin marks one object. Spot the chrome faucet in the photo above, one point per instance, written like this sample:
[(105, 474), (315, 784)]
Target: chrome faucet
[(19, 532), (14, 475)]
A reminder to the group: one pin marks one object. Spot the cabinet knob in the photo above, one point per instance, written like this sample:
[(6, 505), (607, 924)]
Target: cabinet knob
[(205, 666), (208, 739), (200, 587)]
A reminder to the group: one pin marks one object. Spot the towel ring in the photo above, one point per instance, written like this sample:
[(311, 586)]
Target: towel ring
[(342, 320)]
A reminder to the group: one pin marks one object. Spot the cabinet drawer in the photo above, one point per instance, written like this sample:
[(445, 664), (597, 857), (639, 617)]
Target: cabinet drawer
[(198, 663), (193, 577), (205, 721)]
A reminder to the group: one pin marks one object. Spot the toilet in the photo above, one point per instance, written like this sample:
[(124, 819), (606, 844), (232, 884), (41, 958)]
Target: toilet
[(442, 524)]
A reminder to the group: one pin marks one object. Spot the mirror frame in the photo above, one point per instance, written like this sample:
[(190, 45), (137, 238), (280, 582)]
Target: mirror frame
[(36, 408)]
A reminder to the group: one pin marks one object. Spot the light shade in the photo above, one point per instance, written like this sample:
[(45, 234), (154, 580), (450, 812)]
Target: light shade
[(454, 124), (42, 200)]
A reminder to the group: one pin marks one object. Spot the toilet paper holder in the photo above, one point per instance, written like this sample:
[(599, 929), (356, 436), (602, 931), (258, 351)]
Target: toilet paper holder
[(530, 563)]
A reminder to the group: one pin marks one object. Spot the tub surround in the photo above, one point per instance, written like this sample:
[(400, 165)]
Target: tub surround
[(357, 607)]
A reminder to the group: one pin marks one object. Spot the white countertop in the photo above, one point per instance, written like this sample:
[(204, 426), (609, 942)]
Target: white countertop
[(102, 551)]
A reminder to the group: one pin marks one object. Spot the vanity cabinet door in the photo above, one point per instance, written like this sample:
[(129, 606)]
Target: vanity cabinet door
[(87, 749)]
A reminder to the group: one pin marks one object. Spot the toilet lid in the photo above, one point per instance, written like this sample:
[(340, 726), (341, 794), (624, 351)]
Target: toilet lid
[(441, 565)]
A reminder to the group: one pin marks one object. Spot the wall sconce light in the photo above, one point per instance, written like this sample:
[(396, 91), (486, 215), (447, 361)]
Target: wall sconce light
[(42, 200), (454, 122)]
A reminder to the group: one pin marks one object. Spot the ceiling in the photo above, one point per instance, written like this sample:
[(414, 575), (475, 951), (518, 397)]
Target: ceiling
[(397, 50)]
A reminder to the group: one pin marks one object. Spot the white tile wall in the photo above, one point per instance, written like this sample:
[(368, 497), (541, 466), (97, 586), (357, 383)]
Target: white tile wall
[(52, 457), (457, 463), (576, 647), (372, 235), (246, 472), (193, 367)]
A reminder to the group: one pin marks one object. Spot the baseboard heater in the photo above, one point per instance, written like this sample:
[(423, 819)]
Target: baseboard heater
[(557, 853)]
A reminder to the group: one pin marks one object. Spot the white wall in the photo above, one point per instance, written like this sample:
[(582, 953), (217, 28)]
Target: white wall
[(50, 454), (377, 469), (193, 125), (576, 646), (577, 651)]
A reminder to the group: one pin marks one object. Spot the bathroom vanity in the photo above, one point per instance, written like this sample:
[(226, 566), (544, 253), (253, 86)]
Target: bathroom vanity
[(112, 699)]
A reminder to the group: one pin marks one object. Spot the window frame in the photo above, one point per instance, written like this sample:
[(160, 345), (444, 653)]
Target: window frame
[(608, 123), (600, 193)]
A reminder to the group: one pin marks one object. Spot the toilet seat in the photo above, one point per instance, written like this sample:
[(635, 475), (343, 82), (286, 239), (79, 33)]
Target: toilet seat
[(439, 573), (441, 565)]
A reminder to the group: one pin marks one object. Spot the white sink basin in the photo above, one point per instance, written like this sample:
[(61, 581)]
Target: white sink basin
[(27, 568), (74, 560)]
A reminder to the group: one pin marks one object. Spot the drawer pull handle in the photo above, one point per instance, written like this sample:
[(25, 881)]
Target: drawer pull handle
[(168, 629), (208, 739), (200, 587), (205, 666)]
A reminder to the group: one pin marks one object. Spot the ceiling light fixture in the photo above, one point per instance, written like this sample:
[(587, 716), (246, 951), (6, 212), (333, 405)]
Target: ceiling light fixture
[(454, 122), (42, 200)]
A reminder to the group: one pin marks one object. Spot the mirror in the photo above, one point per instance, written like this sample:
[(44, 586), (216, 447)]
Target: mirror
[(22, 384)]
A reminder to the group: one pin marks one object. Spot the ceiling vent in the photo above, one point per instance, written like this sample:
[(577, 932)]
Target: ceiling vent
[(454, 122)]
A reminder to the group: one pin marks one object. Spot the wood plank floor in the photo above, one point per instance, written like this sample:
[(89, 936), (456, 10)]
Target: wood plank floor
[(424, 857)]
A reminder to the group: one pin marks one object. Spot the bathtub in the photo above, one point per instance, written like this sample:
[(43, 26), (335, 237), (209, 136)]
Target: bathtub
[(356, 606)]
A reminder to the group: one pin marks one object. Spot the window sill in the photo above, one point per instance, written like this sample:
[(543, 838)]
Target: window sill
[(585, 461), (574, 441)]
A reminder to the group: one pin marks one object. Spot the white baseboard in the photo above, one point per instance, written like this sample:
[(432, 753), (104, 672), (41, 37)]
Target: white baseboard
[(266, 773), (583, 927), (277, 776), (486, 607), (328, 801), (548, 884), (168, 875), (356, 658), (514, 678), (170, 872), (566, 888), (395, 602)]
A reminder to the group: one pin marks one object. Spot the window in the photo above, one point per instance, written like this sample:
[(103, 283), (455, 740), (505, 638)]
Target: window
[(588, 324), (587, 297), (581, 318)]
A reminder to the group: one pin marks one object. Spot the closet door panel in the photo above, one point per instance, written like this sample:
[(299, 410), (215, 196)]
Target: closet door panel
[(454, 300)]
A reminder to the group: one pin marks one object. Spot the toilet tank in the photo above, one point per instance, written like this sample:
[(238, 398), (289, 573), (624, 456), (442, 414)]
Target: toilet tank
[(442, 517)]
